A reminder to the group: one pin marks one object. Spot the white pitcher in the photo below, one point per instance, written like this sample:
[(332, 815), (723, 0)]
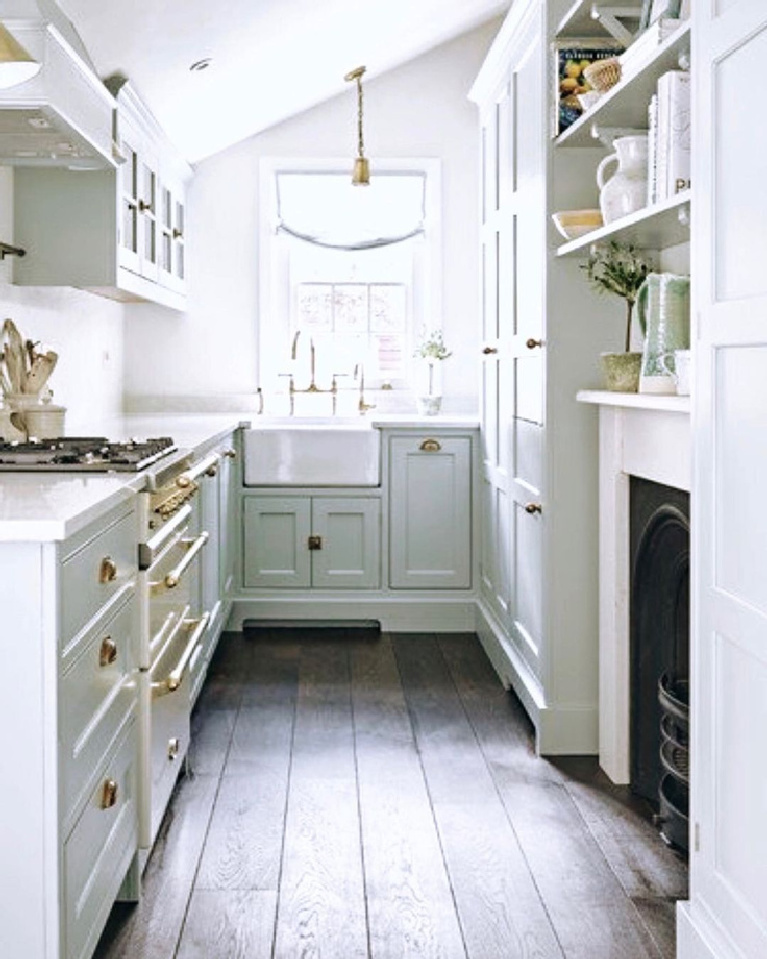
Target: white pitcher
[(626, 190)]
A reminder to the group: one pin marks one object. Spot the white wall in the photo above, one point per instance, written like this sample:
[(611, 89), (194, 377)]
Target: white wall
[(418, 110), (85, 330)]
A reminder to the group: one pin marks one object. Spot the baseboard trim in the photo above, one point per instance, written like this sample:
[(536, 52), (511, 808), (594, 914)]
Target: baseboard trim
[(442, 615), (559, 729)]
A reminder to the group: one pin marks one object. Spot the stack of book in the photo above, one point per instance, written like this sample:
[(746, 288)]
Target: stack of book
[(668, 153), (642, 49)]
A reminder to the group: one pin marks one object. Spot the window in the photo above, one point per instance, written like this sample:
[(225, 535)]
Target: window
[(352, 268)]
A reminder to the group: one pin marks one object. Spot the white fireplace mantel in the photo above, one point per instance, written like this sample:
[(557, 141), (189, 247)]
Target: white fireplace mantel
[(639, 435)]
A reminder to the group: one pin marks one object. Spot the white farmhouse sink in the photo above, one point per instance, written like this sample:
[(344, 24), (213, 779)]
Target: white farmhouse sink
[(291, 454)]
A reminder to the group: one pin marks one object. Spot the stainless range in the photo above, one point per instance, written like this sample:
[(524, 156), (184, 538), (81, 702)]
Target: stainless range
[(78, 454)]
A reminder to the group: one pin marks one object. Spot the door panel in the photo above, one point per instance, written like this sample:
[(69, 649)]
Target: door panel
[(275, 535), (351, 543)]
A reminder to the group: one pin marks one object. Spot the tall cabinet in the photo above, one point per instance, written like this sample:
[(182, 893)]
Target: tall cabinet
[(542, 333), (727, 913)]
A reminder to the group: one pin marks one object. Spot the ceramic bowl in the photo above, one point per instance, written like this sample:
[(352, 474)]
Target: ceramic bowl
[(576, 223)]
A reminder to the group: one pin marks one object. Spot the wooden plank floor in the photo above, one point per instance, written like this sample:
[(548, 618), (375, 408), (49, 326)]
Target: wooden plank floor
[(351, 798)]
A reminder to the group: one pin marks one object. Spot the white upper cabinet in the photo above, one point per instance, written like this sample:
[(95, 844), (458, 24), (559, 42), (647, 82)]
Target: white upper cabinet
[(118, 232)]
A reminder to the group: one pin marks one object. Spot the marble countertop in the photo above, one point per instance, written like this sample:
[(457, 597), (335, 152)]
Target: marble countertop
[(52, 506)]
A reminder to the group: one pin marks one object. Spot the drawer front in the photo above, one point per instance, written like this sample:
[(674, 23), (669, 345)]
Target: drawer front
[(96, 700), (95, 572), (99, 849)]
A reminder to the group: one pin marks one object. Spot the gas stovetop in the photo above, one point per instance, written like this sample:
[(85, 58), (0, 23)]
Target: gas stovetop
[(94, 454)]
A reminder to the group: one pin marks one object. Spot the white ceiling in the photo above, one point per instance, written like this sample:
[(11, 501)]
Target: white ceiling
[(271, 58)]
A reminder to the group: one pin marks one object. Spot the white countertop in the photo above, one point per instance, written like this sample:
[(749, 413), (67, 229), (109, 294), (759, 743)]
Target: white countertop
[(37, 507)]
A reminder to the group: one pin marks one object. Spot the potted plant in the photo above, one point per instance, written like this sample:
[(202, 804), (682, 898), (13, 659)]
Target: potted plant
[(620, 270), (433, 351)]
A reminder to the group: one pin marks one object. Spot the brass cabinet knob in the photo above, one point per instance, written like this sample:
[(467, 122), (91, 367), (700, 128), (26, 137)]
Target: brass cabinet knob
[(109, 794), (108, 652), (174, 745), (533, 508), (177, 234), (490, 350), (231, 454), (107, 570), (430, 446), (145, 207), (533, 344)]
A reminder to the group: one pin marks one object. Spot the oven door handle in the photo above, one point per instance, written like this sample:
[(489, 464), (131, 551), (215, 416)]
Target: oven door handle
[(208, 464), (147, 551), (173, 578), (176, 675)]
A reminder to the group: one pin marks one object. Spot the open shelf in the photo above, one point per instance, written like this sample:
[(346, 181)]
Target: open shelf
[(578, 22), (653, 228), (625, 105)]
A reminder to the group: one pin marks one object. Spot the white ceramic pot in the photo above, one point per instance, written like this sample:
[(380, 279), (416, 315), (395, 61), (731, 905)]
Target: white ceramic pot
[(626, 190)]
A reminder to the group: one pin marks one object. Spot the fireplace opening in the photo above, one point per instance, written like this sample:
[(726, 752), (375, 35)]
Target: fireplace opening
[(660, 658)]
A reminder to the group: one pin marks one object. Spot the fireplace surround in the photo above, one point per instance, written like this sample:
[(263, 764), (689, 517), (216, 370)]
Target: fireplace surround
[(644, 436)]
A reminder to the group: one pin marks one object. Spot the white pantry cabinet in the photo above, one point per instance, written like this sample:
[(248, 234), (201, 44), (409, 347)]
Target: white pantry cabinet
[(726, 916), (430, 500), (118, 233), (324, 542), (68, 828), (542, 333)]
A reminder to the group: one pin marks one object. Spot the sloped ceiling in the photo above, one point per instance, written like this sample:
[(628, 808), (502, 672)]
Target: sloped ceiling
[(270, 59)]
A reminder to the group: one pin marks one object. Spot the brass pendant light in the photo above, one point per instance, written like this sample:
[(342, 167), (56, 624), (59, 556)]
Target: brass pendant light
[(16, 65), (361, 172)]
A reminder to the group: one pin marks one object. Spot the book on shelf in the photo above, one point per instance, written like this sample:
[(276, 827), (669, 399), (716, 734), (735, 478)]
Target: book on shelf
[(652, 150), (668, 137), (642, 49)]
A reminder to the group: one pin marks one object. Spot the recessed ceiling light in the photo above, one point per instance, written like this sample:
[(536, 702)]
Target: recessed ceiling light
[(201, 64)]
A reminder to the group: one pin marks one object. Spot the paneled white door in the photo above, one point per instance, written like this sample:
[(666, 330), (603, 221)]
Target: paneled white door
[(727, 913)]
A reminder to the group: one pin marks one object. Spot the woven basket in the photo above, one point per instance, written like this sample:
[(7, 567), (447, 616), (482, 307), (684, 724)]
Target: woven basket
[(603, 74)]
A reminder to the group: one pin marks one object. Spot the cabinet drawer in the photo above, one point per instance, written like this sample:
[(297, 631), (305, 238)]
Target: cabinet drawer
[(96, 700), (95, 571), (99, 849)]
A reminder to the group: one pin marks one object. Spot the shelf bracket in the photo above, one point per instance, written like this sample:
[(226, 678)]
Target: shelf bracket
[(610, 18), (7, 250)]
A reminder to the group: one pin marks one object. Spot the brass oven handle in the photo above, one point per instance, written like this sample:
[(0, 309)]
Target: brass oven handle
[(189, 476), (167, 633), (173, 578), (108, 652), (109, 793), (430, 446), (107, 570), (176, 675)]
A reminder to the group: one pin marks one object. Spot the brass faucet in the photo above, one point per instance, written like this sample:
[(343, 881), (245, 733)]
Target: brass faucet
[(312, 387), (362, 406)]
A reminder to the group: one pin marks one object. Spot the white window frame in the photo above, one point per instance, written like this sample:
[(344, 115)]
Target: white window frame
[(273, 333)]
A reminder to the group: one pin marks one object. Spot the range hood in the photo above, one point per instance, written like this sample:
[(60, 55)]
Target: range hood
[(64, 115)]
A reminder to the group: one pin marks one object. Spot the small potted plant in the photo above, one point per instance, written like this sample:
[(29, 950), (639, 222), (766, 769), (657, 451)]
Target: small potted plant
[(620, 270), (433, 351)]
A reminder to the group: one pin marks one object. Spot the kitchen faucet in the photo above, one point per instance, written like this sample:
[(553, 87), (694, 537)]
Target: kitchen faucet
[(312, 387)]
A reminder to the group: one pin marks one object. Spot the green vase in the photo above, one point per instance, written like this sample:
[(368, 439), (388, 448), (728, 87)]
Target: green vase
[(663, 303)]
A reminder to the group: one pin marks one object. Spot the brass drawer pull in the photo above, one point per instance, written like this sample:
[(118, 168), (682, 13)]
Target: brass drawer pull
[(107, 570), (533, 508), (174, 747), (490, 350), (533, 344), (430, 446), (314, 542), (194, 546), (108, 652), (109, 794)]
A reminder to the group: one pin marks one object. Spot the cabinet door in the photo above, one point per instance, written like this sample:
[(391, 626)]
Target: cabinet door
[(170, 227), (728, 908), (430, 512), (350, 543), (149, 210), (275, 541), (128, 197)]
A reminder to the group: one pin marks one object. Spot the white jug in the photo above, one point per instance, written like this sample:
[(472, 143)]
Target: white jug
[(626, 190)]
